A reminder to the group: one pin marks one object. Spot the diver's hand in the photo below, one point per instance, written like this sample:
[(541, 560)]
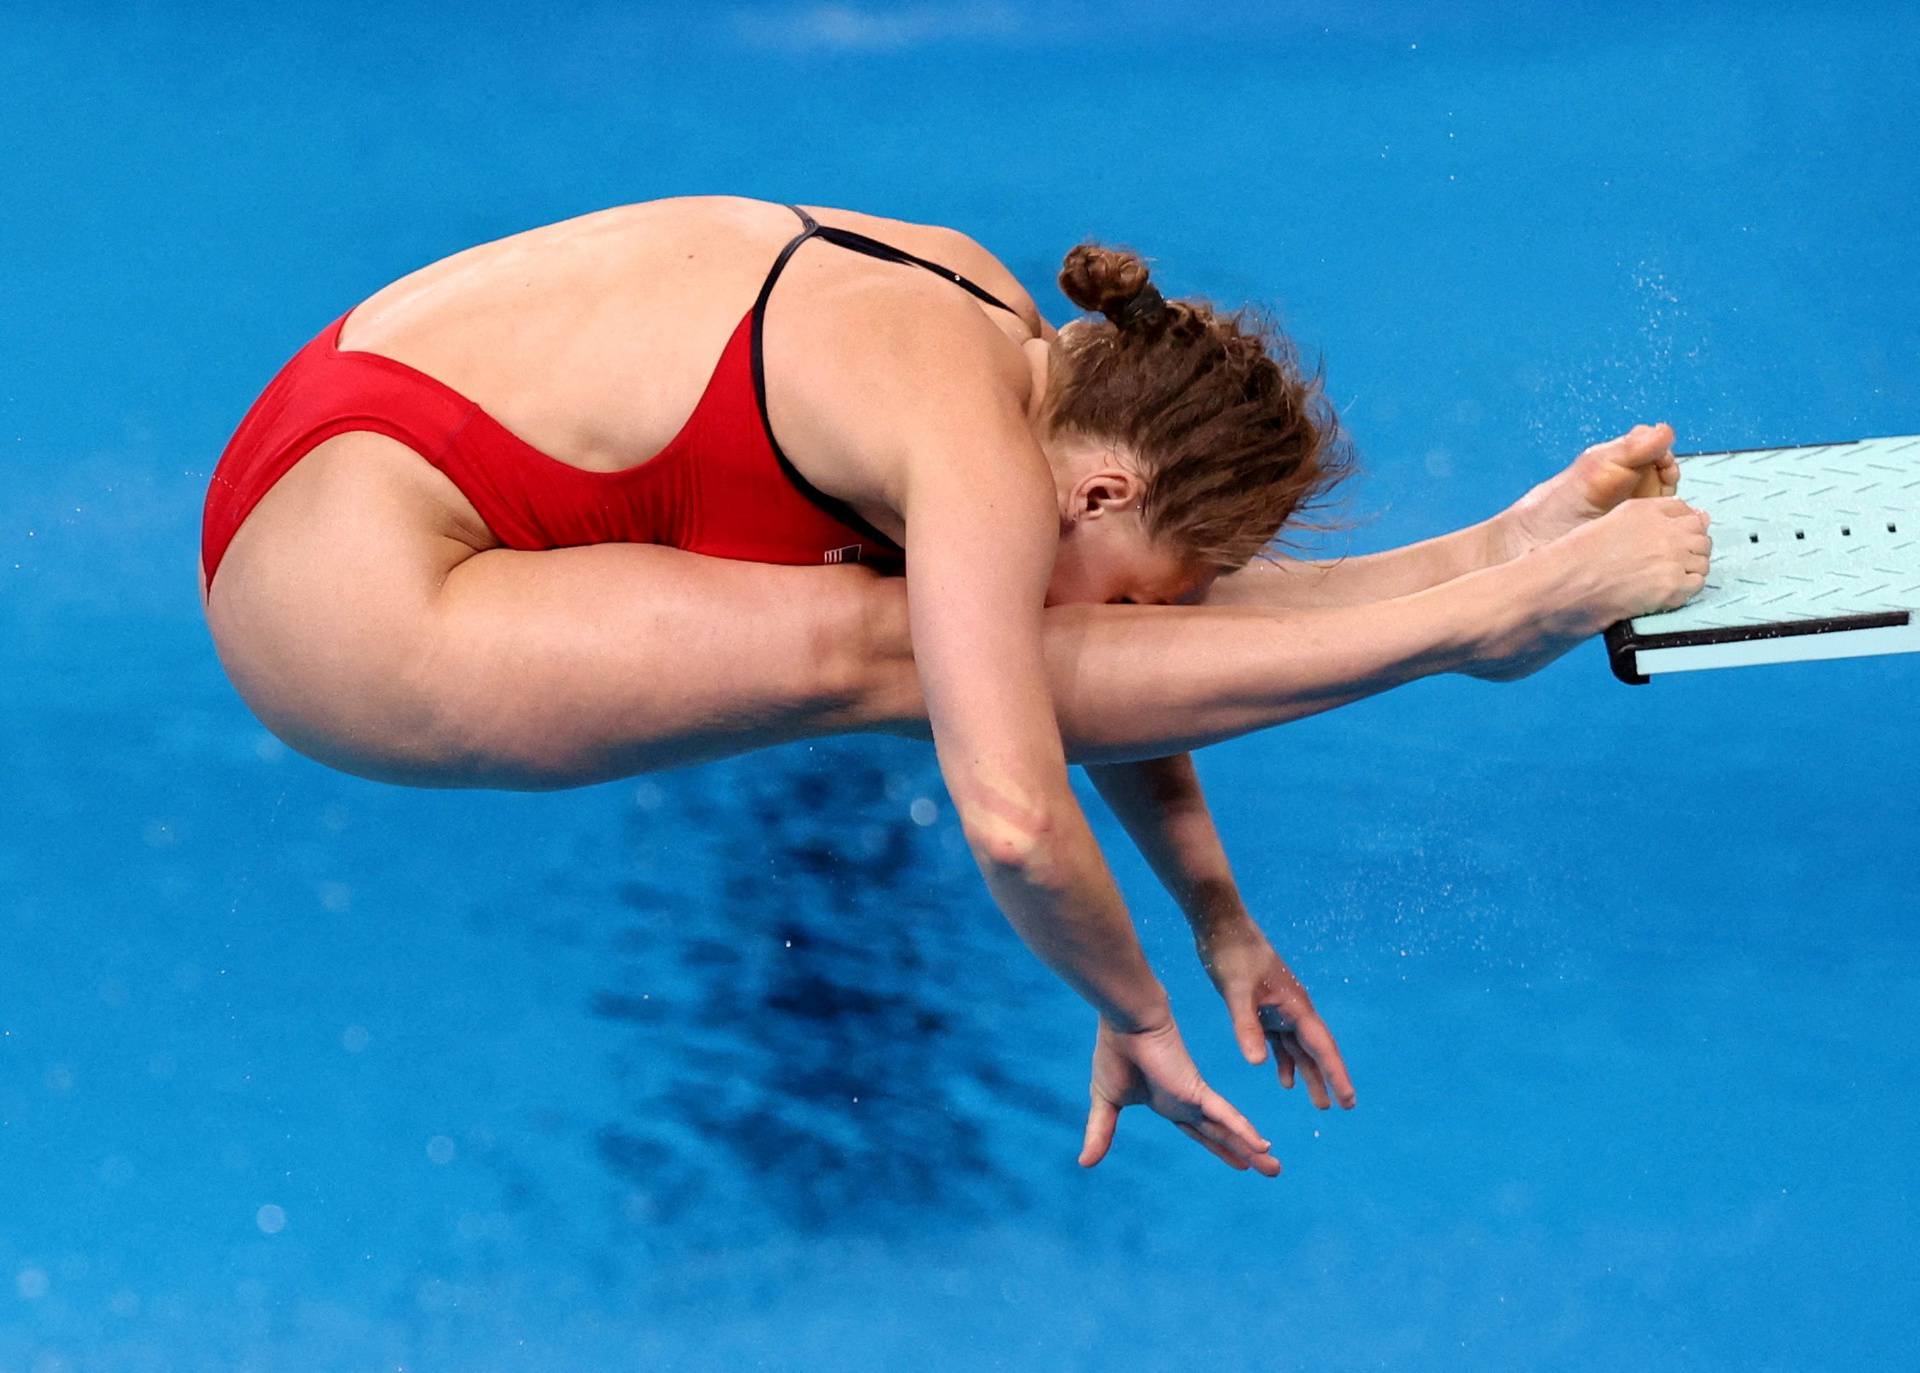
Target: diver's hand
[(1152, 1067), (1638, 463), (1270, 1007)]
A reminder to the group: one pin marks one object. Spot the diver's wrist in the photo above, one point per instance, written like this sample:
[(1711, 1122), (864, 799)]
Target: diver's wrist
[(1151, 1011)]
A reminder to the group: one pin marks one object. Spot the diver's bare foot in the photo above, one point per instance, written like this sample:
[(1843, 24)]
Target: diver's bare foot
[(1640, 558), (1638, 463)]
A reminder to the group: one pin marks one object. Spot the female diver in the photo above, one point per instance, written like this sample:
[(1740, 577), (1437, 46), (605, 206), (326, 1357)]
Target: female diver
[(429, 555)]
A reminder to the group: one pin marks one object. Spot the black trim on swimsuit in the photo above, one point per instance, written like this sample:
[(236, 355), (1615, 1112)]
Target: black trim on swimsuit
[(886, 252), (872, 247)]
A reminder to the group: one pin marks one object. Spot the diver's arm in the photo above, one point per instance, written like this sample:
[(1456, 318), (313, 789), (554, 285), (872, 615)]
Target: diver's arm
[(982, 523), (1161, 805), (999, 751), (982, 530)]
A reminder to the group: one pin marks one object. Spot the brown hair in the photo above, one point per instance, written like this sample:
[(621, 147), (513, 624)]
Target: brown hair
[(1236, 438)]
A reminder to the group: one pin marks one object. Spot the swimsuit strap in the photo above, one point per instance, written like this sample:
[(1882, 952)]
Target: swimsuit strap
[(873, 247)]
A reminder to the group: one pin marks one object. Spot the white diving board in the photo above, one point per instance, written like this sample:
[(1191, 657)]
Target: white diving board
[(1816, 554)]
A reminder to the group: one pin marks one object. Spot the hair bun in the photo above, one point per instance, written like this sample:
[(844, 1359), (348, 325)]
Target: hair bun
[(1112, 281)]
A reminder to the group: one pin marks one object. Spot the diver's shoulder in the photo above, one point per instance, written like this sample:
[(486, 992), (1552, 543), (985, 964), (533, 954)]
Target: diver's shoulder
[(949, 247), (922, 355)]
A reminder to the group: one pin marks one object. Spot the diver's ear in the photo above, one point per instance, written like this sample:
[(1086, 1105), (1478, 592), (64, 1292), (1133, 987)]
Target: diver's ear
[(1110, 491)]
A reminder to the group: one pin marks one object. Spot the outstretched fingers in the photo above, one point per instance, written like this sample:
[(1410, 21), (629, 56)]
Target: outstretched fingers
[(1247, 1031), (1309, 1072), (1233, 1158), (1313, 1044), (1232, 1148), (1223, 1122), (1101, 1117), (1216, 1127), (1283, 1058)]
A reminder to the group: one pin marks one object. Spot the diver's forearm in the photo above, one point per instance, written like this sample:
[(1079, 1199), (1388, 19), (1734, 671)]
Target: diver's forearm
[(1369, 577), (1159, 803), (1062, 901)]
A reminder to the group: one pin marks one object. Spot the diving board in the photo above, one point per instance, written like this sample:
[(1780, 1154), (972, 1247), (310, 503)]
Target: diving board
[(1816, 554)]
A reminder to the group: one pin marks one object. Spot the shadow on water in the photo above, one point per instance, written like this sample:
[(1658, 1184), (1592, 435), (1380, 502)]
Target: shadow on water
[(827, 1016)]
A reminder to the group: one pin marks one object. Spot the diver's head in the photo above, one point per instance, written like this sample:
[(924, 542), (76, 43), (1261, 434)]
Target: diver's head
[(1182, 439), (1108, 554)]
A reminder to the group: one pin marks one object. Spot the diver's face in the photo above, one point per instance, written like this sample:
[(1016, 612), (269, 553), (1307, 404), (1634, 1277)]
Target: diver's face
[(1106, 555), (1111, 560)]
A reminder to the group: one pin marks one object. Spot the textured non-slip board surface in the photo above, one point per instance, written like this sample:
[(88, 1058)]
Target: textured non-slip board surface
[(1816, 554), (1810, 533)]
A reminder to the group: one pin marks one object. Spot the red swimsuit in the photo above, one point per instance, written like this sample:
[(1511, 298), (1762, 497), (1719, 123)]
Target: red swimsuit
[(722, 486)]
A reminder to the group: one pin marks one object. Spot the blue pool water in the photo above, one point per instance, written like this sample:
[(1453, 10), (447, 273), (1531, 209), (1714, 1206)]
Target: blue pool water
[(300, 1072)]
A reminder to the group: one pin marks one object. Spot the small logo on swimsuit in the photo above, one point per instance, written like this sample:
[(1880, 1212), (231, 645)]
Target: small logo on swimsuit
[(849, 554)]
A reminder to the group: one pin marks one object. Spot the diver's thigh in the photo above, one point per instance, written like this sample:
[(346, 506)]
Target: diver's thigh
[(364, 632), (577, 665)]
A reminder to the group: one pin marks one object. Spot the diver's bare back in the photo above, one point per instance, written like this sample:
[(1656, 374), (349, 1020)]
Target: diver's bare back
[(593, 338)]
